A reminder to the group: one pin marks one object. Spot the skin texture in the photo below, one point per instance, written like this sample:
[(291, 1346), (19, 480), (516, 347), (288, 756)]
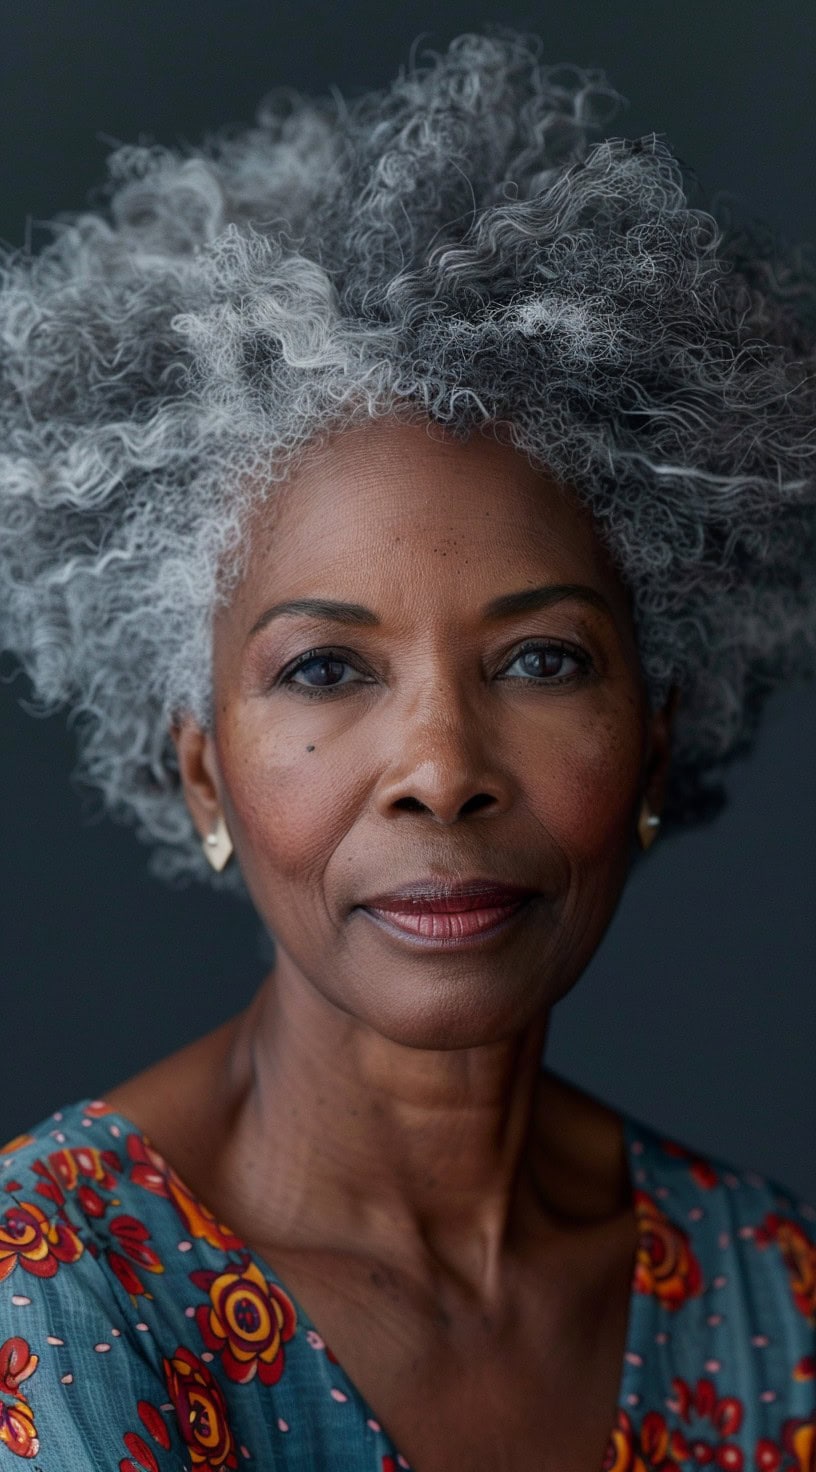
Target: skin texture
[(376, 1123)]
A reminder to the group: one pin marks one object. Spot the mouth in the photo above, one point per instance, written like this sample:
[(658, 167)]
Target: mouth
[(451, 923)]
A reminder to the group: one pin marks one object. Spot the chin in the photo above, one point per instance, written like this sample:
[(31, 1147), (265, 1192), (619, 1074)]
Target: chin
[(446, 1018)]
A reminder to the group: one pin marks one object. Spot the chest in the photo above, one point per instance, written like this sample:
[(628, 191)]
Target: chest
[(504, 1414), (535, 1384)]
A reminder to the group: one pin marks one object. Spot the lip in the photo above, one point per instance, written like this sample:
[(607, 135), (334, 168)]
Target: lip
[(449, 929), (437, 896)]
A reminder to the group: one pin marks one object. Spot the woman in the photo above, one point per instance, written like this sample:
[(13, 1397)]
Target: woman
[(415, 500)]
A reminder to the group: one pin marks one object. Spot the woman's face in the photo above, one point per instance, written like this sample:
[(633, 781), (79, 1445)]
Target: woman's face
[(427, 736)]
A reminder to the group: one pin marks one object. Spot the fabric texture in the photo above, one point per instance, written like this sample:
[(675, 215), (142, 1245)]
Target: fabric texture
[(138, 1333)]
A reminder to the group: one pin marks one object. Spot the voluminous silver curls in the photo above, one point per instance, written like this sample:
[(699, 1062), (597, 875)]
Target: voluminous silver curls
[(470, 245)]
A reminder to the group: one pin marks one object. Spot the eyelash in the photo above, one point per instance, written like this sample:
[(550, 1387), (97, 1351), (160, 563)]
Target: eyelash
[(582, 659)]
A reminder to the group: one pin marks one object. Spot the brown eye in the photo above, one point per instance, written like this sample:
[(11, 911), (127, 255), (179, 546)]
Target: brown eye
[(322, 672), (550, 663)]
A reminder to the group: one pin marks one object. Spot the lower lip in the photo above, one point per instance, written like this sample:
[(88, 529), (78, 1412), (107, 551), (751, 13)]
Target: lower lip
[(448, 930)]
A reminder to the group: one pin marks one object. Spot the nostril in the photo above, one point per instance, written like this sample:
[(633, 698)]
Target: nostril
[(476, 802)]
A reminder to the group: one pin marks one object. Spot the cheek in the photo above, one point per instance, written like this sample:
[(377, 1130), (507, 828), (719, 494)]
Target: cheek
[(289, 806), (588, 788)]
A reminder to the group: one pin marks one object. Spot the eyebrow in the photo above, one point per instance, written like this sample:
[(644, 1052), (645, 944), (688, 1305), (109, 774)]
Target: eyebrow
[(527, 600)]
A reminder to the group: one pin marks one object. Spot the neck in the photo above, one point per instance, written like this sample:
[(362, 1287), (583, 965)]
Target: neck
[(389, 1144)]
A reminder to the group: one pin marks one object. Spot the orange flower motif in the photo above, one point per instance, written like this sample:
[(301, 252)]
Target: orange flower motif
[(666, 1264), (17, 1429), (63, 1170), (799, 1255), (37, 1242), (201, 1411), (16, 1144), (248, 1320), (799, 1438), (101, 1166), (152, 1172), (653, 1446)]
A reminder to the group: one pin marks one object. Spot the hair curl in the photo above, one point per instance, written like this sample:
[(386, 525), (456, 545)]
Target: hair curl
[(455, 247)]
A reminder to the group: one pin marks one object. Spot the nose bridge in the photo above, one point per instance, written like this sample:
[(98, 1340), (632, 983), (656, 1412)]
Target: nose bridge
[(442, 754), (438, 705)]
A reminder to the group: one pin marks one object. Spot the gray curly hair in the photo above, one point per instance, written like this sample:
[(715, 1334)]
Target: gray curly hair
[(452, 247)]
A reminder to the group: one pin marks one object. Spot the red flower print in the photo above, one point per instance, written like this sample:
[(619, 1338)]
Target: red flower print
[(91, 1202), (63, 1171), (701, 1170), (152, 1419), (248, 1320), (653, 1446), (201, 1411), (17, 1430), (724, 1414), (152, 1172), (666, 1264), (132, 1236), (16, 1364), (799, 1438), (798, 1441), (799, 1256), (101, 1166), (141, 1457), (37, 1242)]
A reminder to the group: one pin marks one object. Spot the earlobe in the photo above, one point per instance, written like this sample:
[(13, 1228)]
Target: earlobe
[(198, 770)]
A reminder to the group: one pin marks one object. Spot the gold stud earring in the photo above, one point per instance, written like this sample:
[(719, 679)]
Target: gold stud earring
[(648, 825), (217, 845)]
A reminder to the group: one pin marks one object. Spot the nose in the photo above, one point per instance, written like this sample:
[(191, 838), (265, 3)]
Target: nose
[(445, 761)]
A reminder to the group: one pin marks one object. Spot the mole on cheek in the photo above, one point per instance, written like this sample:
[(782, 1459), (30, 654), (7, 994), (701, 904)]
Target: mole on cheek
[(310, 748)]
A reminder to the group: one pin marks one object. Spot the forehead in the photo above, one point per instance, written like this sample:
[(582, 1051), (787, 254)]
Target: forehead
[(391, 496)]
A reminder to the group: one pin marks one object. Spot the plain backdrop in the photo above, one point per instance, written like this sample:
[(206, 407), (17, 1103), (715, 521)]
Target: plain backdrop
[(698, 1013)]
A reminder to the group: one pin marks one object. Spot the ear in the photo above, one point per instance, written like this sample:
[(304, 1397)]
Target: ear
[(658, 757), (198, 769)]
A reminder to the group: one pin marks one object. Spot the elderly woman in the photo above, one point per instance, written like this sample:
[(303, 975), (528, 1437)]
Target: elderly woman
[(416, 501)]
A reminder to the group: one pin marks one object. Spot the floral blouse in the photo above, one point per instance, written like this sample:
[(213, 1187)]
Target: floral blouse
[(138, 1333)]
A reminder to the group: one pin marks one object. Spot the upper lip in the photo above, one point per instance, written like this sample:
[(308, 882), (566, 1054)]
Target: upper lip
[(473, 892)]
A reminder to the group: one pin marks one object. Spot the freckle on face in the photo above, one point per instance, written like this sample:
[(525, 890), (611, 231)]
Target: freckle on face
[(436, 764)]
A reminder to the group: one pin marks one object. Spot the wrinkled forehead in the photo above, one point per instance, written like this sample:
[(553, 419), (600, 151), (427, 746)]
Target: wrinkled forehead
[(416, 494)]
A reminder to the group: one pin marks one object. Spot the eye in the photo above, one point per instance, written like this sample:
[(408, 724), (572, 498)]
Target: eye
[(322, 666), (551, 664)]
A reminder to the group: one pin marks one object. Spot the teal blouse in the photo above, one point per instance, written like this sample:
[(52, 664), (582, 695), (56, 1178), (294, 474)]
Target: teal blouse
[(138, 1333)]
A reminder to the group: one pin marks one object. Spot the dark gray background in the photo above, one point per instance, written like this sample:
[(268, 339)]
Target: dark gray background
[(698, 1013)]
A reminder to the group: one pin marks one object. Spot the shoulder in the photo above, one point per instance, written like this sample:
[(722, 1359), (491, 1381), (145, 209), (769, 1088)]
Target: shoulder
[(76, 1270), (730, 1253)]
